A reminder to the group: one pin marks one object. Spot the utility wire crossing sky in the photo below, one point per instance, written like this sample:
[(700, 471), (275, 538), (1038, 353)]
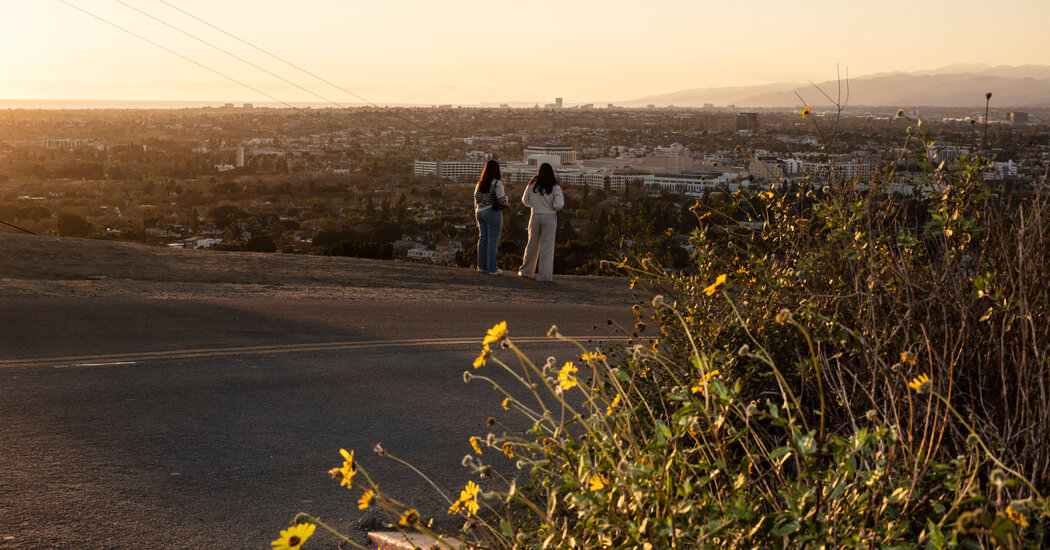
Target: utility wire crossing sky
[(467, 51)]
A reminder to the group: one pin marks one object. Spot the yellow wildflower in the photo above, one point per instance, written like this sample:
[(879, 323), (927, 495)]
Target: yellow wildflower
[(612, 406), (476, 443), (566, 378), (909, 357), (718, 282), (670, 231), (496, 333), (598, 482), (508, 449), (468, 498), (366, 500), (349, 469), (921, 384), (593, 357), (505, 403), (805, 111), (409, 518), (480, 361), (702, 385), (293, 537), (1016, 517)]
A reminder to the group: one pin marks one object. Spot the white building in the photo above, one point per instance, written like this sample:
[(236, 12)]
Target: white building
[(449, 169), (420, 254), (692, 185), (564, 154)]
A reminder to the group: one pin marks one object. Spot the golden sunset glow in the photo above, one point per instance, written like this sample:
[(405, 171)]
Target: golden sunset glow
[(467, 52)]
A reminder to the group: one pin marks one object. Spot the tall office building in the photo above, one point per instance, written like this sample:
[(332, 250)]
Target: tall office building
[(747, 121)]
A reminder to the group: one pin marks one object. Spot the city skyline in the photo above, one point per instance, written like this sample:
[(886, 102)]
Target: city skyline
[(469, 52)]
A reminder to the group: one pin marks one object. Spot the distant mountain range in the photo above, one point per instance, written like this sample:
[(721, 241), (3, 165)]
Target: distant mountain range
[(960, 85)]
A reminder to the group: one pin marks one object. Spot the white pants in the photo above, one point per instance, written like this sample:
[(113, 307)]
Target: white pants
[(539, 252)]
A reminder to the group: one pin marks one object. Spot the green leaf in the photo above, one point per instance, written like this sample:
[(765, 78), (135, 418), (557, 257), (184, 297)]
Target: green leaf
[(663, 433), (1004, 530), (936, 536), (806, 444), (785, 528)]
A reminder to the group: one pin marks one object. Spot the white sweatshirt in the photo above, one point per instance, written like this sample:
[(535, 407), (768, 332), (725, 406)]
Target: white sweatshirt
[(543, 204)]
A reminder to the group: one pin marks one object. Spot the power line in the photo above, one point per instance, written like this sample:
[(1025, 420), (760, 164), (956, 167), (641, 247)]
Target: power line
[(231, 54), (290, 64), (241, 59), (199, 64)]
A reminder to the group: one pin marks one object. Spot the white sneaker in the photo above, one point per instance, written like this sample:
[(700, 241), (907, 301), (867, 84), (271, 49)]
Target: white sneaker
[(497, 272)]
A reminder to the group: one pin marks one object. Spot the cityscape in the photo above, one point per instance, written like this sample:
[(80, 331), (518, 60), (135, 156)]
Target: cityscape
[(250, 178)]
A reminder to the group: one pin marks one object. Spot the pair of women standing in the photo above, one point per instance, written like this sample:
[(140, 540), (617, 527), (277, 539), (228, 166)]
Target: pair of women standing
[(543, 195)]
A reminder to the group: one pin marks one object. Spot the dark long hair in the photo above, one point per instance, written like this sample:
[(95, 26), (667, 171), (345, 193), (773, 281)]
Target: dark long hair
[(488, 175), (544, 181)]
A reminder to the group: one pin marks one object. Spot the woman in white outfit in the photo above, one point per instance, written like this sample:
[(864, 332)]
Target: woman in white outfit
[(544, 196)]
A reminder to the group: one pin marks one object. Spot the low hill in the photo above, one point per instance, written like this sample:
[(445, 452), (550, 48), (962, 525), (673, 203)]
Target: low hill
[(1027, 86), (55, 266)]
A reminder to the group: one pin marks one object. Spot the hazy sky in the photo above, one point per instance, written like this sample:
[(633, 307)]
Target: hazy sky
[(466, 51)]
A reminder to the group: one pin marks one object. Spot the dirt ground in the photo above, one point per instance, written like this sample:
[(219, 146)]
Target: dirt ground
[(33, 265)]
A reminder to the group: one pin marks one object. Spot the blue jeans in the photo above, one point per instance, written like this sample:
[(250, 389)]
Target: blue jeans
[(490, 225)]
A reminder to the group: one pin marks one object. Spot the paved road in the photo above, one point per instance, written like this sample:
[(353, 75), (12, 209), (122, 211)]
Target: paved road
[(143, 423)]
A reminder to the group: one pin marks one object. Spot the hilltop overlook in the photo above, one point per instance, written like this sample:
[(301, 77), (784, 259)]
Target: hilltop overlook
[(57, 266)]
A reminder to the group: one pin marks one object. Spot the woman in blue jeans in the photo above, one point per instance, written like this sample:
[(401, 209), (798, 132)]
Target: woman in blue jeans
[(489, 192)]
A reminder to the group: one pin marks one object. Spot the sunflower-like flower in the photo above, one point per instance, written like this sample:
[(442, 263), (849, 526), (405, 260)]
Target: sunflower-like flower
[(1016, 517), (505, 403), (702, 385), (566, 376), (805, 111), (366, 500), (293, 537), (921, 384), (348, 470), (485, 352), (597, 482), (496, 333), (909, 357), (714, 287), (468, 500), (476, 443), (593, 356), (409, 518), (612, 406), (508, 449)]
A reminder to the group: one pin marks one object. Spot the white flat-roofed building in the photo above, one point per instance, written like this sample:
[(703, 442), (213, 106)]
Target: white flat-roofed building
[(425, 168), (692, 185), (449, 169), (564, 153), (420, 254)]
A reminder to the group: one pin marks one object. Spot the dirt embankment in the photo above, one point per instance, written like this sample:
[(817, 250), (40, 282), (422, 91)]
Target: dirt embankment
[(55, 266)]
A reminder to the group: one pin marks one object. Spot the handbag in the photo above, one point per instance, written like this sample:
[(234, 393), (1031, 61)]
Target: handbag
[(495, 201)]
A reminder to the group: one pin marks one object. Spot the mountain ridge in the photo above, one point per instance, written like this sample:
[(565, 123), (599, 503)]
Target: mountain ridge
[(959, 85)]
